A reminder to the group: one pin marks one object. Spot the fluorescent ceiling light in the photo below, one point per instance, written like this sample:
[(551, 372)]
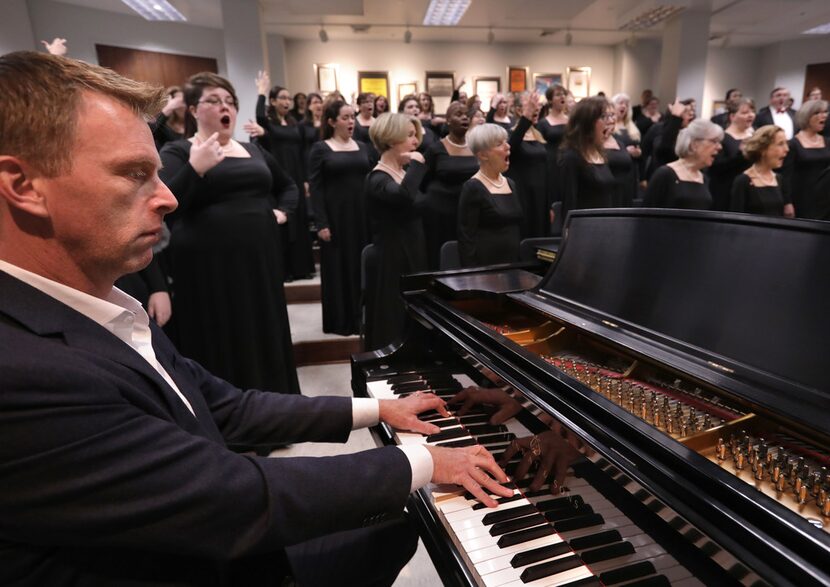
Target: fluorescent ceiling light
[(445, 12), (155, 10), (819, 30)]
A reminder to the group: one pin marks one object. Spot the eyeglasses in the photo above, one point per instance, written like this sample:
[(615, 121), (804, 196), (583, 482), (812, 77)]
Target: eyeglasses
[(215, 102), (609, 116)]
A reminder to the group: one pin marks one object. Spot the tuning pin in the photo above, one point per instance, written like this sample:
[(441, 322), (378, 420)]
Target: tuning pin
[(751, 456), (759, 470), (739, 460), (802, 494), (776, 473), (721, 449), (798, 486), (684, 430), (825, 509), (781, 483), (658, 419), (707, 422)]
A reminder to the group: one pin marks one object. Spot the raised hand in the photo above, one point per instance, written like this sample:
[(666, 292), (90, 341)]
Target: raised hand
[(677, 108), (402, 414), (253, 129), (205, 155), (406, 158), (530, 105), (507, 407), (496, 100), (56, 47), (281, 216), (173, 104), (263, 83), (473, 468), (553, 454)]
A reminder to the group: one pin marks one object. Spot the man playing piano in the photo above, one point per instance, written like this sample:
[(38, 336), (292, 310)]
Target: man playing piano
[(113, 447)]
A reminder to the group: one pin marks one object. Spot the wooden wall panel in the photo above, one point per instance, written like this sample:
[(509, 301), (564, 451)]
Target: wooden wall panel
[(817, 75), (164, 69)]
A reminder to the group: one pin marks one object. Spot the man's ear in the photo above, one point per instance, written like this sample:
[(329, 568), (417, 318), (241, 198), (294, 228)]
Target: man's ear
[(18, 189)]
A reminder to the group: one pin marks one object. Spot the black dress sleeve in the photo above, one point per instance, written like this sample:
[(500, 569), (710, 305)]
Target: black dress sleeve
[(787, 170), (262, 113), (163, 134), (316, 184), (570, 167), (179, 176), (518, 134), (657, 192), (664, 150), (740, 193), (491, 115), (469, 209), (391, 192), (283, 189)]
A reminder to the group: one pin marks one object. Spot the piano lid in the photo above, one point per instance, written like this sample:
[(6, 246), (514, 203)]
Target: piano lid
[(749, 294)]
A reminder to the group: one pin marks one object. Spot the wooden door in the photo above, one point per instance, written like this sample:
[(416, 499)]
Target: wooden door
[(164, 69), (817, 76)]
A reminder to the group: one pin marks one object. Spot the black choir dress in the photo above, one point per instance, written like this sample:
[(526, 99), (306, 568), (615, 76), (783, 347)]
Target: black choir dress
[(728, 164), (553, 135), (361, 133), (285, 143), (398, 234), (163, 134), (488, 225), (662, 140), (583, 184), (429, 139), (227, 260), (310, 134), (766, 200), (802, 169), (337, 180), (666, 190), (624, 169), (529, 171), (491, 118), (445, 176)]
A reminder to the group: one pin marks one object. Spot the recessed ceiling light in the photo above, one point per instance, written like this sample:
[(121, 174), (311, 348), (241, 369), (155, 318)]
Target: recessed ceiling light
[(155, 10), (819, 30), (445, 12)]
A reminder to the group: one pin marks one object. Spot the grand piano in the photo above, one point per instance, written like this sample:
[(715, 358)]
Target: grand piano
[(688, 350)]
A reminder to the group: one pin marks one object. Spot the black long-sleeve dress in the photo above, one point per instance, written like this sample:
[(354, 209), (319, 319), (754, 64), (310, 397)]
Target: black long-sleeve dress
[(445, 177), (529, 171), (398, 234), (336, 181), (666, 190), (429, 139), (728, 164), (227, 260), (663, 141), (624, 169), (163, 134), (491, 118), (583, 184), (802, 169), (285, 143), (751, 199), (553, 135), (488, 225)]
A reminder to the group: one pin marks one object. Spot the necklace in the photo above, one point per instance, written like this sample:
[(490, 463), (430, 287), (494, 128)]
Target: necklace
[(395, 173), (496, 184), (454, 144), (766, 180)]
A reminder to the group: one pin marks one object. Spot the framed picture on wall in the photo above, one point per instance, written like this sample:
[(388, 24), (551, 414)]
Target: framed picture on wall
[(326, 75), (440, 85), (718, 107), (517, 78), (406, 88), (486, 87), (375, 82), (579, 82), (542, 81)]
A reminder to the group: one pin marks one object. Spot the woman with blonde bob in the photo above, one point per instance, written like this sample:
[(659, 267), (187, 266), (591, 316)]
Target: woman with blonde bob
[(681, 183), (489, 210), (395, 222), (758, 189), (809, 156)]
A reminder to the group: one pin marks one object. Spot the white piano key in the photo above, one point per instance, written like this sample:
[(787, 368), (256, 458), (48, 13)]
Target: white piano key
[(569, 576), (493, 551), (475, 516), (507, 574), (459, 503), (485, 542)]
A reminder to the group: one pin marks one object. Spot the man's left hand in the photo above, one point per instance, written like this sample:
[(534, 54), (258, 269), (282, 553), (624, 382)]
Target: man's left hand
[(402, 414)]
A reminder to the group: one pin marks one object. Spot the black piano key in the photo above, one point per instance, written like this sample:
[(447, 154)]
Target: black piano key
[(710, 549), (446, 422), (525, 535), (410, 387), (509, 514), (628, 573), (563, 514), (458, 443), (494, 448), (508, 485), (539, 554), (738, 571), (447, 435), (578, 522), (481, 506), (594, 540), (493, 438), (430, 415), (554, 567), (518, 524), (656, 506), (559, 503), (486, 429), (677, 523), (482, 418), (604, 553), (653, 581), (693, 534)]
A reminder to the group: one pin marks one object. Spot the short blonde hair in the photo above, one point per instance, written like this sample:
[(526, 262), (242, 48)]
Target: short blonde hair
[(391, 128), (485, 136), (755, 146), (42, 94), (699, 129), (809, 109)]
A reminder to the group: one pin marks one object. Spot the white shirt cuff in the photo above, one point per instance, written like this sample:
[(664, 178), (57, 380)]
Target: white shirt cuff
[(421, 462), (365, 412)]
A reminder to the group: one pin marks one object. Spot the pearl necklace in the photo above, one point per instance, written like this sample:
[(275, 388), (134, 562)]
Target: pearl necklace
[(395, 173), (461, 146), (496, 184)]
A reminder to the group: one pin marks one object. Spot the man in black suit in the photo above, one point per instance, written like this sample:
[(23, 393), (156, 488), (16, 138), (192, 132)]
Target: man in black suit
[(777, 112), (113, 449), (722, 118)]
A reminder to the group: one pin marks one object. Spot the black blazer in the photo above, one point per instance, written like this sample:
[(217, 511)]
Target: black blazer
[(108, 479), (764, 117)]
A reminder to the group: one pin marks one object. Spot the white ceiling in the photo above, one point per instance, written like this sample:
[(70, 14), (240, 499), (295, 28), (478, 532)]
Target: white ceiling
[(750, 23)]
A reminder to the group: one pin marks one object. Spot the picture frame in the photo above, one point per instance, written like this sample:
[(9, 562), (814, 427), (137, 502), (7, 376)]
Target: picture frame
[(718, 107), (440, 85), (375, 82), (517, 78), (542, 81), (486, 87), (579, 81), (326, 76), (406, 88)]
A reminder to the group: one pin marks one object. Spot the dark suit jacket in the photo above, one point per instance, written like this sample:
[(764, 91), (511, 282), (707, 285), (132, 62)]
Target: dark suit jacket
[(108, 479), (764, 117)]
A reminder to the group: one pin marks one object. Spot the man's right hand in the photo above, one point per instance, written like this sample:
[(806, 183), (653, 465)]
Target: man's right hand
[(473, 468)]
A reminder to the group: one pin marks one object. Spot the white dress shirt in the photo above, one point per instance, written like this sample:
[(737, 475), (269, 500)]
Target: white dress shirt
[(124, 316), (783, 120)]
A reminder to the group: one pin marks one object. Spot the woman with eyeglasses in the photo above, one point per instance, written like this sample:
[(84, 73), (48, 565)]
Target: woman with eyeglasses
[(682, 183), (226, 249), (807, 160), (283, 138)]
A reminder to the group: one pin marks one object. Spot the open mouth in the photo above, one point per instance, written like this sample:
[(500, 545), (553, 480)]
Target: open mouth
[(225, 120)]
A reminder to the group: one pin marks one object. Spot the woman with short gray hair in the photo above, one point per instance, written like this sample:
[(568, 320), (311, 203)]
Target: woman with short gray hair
[(809, 156), (681, 183), (489, 210)]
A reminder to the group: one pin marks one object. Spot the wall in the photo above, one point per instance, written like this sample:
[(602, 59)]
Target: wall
[(792, 60), (732, 68), (16, 28), (84, 27), (276, 58), (409, 62), (637, 68)]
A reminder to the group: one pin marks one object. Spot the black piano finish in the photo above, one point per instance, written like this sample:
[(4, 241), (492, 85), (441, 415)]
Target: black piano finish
[(618, 275)]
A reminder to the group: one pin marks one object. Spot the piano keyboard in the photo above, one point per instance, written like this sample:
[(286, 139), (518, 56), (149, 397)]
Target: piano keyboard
[(535, 538)]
